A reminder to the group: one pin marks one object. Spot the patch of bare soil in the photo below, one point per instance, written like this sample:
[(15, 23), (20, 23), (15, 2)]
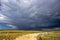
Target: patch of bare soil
[(28, 37)]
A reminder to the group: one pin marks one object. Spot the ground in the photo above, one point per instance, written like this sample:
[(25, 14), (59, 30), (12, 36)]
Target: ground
[(29, 35)]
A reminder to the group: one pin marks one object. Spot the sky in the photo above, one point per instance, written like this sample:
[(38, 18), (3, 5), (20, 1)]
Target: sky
[(29, 14)]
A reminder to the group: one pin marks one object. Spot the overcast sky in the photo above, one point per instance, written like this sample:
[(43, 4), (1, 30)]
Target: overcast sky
[(30, 14)]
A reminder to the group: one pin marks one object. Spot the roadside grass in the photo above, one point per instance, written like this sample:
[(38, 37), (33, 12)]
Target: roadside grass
[(54, 35), (44, 35), (13, 34)]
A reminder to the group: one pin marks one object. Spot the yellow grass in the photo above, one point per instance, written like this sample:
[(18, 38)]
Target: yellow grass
[(20, 34)]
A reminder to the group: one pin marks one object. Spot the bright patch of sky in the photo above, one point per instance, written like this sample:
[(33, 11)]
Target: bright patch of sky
[(5, 26)]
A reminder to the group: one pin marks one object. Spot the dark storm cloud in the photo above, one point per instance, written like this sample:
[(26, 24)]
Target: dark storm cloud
[(27, 14)]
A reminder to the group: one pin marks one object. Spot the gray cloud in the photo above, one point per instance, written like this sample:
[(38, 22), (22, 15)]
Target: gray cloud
[(31, 13)]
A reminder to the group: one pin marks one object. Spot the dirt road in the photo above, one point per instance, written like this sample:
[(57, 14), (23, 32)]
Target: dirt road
[(28, 37)]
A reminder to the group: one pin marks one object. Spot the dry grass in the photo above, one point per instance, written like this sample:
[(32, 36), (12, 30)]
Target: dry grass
[(12, 34), (44, 35), (54, 35)]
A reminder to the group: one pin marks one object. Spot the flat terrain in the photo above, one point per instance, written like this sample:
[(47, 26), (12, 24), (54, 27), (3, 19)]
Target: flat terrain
[(29, 35)]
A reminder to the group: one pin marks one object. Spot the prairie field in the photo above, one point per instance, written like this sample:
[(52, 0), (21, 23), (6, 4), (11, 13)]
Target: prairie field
[(29, 35)]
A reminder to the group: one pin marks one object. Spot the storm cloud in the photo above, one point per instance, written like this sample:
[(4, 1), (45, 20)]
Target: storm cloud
[(26, 14)]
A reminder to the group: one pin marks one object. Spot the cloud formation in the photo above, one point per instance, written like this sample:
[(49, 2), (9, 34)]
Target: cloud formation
[(27, 14)]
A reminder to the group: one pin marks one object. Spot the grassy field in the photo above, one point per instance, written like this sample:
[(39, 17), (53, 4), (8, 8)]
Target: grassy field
[(51, 35), (43, 35)]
